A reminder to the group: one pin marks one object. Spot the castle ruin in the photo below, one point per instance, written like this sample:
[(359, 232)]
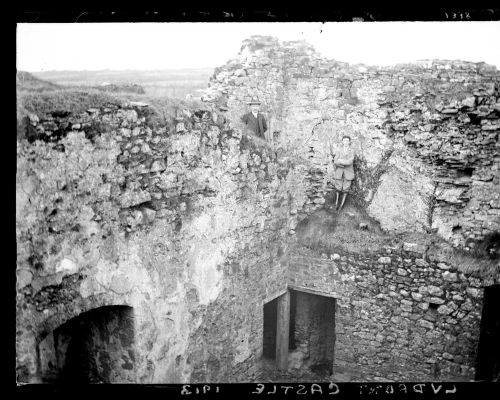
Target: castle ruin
[(185, 252)]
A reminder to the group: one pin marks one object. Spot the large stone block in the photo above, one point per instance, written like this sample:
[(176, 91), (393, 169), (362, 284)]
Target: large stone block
[(398, 204), (414, 247)]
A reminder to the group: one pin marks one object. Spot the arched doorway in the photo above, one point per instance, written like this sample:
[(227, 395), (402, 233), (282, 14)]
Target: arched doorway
[(97, 346)]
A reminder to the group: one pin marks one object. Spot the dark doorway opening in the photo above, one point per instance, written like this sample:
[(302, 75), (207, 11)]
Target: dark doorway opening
[(312, 332), (270, 324), (293, 310), (488, 358), (97, 346), (311, 335)]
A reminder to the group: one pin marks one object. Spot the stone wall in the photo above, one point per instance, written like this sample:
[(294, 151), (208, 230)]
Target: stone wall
[(426, 134), (185, 223), (398, 316)]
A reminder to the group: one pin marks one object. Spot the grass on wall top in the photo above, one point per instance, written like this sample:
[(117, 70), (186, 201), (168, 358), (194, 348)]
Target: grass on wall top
[(330, 231), (43, 98)]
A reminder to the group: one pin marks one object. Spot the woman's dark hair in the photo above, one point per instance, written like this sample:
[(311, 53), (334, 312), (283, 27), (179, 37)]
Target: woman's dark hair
[(348, 137)]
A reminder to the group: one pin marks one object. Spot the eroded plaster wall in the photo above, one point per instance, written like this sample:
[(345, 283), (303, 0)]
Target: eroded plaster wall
[(187, 224)]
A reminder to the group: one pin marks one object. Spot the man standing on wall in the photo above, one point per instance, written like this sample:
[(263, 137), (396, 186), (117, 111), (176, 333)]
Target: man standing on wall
[(343, 161), (254, 120)]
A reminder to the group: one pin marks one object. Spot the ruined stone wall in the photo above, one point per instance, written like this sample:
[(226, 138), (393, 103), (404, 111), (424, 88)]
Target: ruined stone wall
[(385, 324), (185, 223), (190, 224), (426, 134), (428, 161)]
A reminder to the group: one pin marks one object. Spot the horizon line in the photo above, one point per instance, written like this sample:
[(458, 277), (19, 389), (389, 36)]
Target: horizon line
[(354, 64)]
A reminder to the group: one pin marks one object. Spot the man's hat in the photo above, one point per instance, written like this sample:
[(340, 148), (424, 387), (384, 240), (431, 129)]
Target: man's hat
[(254, 100)]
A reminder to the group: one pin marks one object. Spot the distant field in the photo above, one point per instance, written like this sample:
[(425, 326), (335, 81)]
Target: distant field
[(158, 83), (45, 98)]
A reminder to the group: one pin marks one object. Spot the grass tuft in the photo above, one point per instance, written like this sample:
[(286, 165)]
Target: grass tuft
[(329, 230)]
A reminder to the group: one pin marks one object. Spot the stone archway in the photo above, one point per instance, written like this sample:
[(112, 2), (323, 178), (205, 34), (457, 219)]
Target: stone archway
[(94, 347)]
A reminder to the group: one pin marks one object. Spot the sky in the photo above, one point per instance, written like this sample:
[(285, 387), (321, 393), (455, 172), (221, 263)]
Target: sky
[(150, 46)]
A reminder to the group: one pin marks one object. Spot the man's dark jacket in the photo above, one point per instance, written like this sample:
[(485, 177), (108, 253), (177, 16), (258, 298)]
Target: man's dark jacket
[(257, 125)]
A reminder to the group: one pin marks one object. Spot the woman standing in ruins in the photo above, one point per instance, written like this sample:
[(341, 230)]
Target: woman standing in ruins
[(343, 175)]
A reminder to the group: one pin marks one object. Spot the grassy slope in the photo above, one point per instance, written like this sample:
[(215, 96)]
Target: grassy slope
[(42, 98), (331, 230), (28, 81), (328, 231)]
